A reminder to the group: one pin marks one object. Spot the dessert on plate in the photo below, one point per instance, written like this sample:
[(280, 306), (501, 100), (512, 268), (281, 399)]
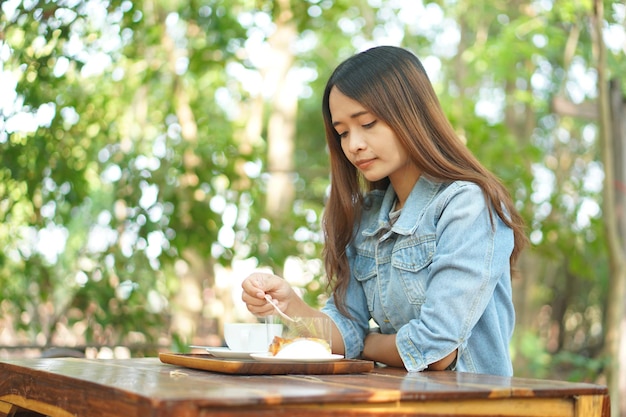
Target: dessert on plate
[(300, 348)]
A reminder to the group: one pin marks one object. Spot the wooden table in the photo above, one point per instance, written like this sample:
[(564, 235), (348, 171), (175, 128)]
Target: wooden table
[(146, 387)]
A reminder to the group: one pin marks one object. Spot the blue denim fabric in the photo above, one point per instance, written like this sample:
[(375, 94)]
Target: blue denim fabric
[(439, 278)]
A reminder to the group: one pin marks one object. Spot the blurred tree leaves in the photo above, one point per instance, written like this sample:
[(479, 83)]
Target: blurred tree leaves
[(123, 151)]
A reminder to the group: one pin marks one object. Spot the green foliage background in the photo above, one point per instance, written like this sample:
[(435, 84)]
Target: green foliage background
[(106, 164)]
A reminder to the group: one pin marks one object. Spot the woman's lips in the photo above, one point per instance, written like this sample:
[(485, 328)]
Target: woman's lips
[(363, 164)]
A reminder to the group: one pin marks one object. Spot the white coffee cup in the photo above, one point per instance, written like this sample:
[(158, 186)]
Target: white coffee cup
[(251, 337)]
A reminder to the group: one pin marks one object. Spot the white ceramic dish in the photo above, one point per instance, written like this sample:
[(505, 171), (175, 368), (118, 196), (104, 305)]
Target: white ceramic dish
[(268, 357), (225, 352)]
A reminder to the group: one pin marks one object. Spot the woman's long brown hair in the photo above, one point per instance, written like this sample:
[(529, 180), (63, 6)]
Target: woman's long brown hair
[(392, 84)]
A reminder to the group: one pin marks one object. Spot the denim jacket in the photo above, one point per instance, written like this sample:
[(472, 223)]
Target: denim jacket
[(439, 278)]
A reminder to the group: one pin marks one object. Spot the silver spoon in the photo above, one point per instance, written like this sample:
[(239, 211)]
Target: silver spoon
[(278, 310)]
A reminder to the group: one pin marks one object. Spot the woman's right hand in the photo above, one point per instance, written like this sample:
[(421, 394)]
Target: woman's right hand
[(258, 285)]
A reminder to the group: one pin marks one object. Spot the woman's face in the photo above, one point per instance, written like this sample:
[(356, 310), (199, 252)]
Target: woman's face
[(370, 144)]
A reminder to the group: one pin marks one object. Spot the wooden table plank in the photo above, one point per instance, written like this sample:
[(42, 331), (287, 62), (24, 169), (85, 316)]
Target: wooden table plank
[(592, 406), (148, 379), (147, 387), (6, 409), (536, 407)]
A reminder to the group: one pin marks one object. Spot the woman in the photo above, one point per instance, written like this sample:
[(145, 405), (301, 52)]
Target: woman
[(420, 237)]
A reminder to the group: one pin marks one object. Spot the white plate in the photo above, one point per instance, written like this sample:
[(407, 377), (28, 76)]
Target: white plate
[(268, 357), (225, 352)]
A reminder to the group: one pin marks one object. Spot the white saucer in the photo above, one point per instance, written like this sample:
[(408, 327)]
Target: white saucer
[(268, 357), (225, 352)]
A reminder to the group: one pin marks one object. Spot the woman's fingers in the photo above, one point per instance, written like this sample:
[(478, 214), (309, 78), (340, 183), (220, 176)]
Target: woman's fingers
[(255, 287), (259, 284), (262, 310)]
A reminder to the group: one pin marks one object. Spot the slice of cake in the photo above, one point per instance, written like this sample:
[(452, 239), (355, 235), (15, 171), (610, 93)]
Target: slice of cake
[(300, 348)]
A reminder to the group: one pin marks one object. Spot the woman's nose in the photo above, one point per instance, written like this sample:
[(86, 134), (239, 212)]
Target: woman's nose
[(355, 142)]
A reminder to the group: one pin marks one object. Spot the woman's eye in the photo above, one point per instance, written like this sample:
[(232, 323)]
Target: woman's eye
[(369, 125), (342, 134)]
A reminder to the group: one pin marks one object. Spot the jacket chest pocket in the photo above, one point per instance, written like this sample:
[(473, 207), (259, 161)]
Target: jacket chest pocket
[(410, 260), (364, 270)]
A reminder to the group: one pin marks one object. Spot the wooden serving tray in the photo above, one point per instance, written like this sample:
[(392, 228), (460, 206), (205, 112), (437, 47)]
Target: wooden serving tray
[(251, 366)]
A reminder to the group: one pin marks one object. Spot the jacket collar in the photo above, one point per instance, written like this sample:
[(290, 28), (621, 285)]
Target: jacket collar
[(421, 195)]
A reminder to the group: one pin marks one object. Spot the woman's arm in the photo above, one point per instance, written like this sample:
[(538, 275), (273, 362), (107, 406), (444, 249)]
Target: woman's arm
[(382, 348)]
